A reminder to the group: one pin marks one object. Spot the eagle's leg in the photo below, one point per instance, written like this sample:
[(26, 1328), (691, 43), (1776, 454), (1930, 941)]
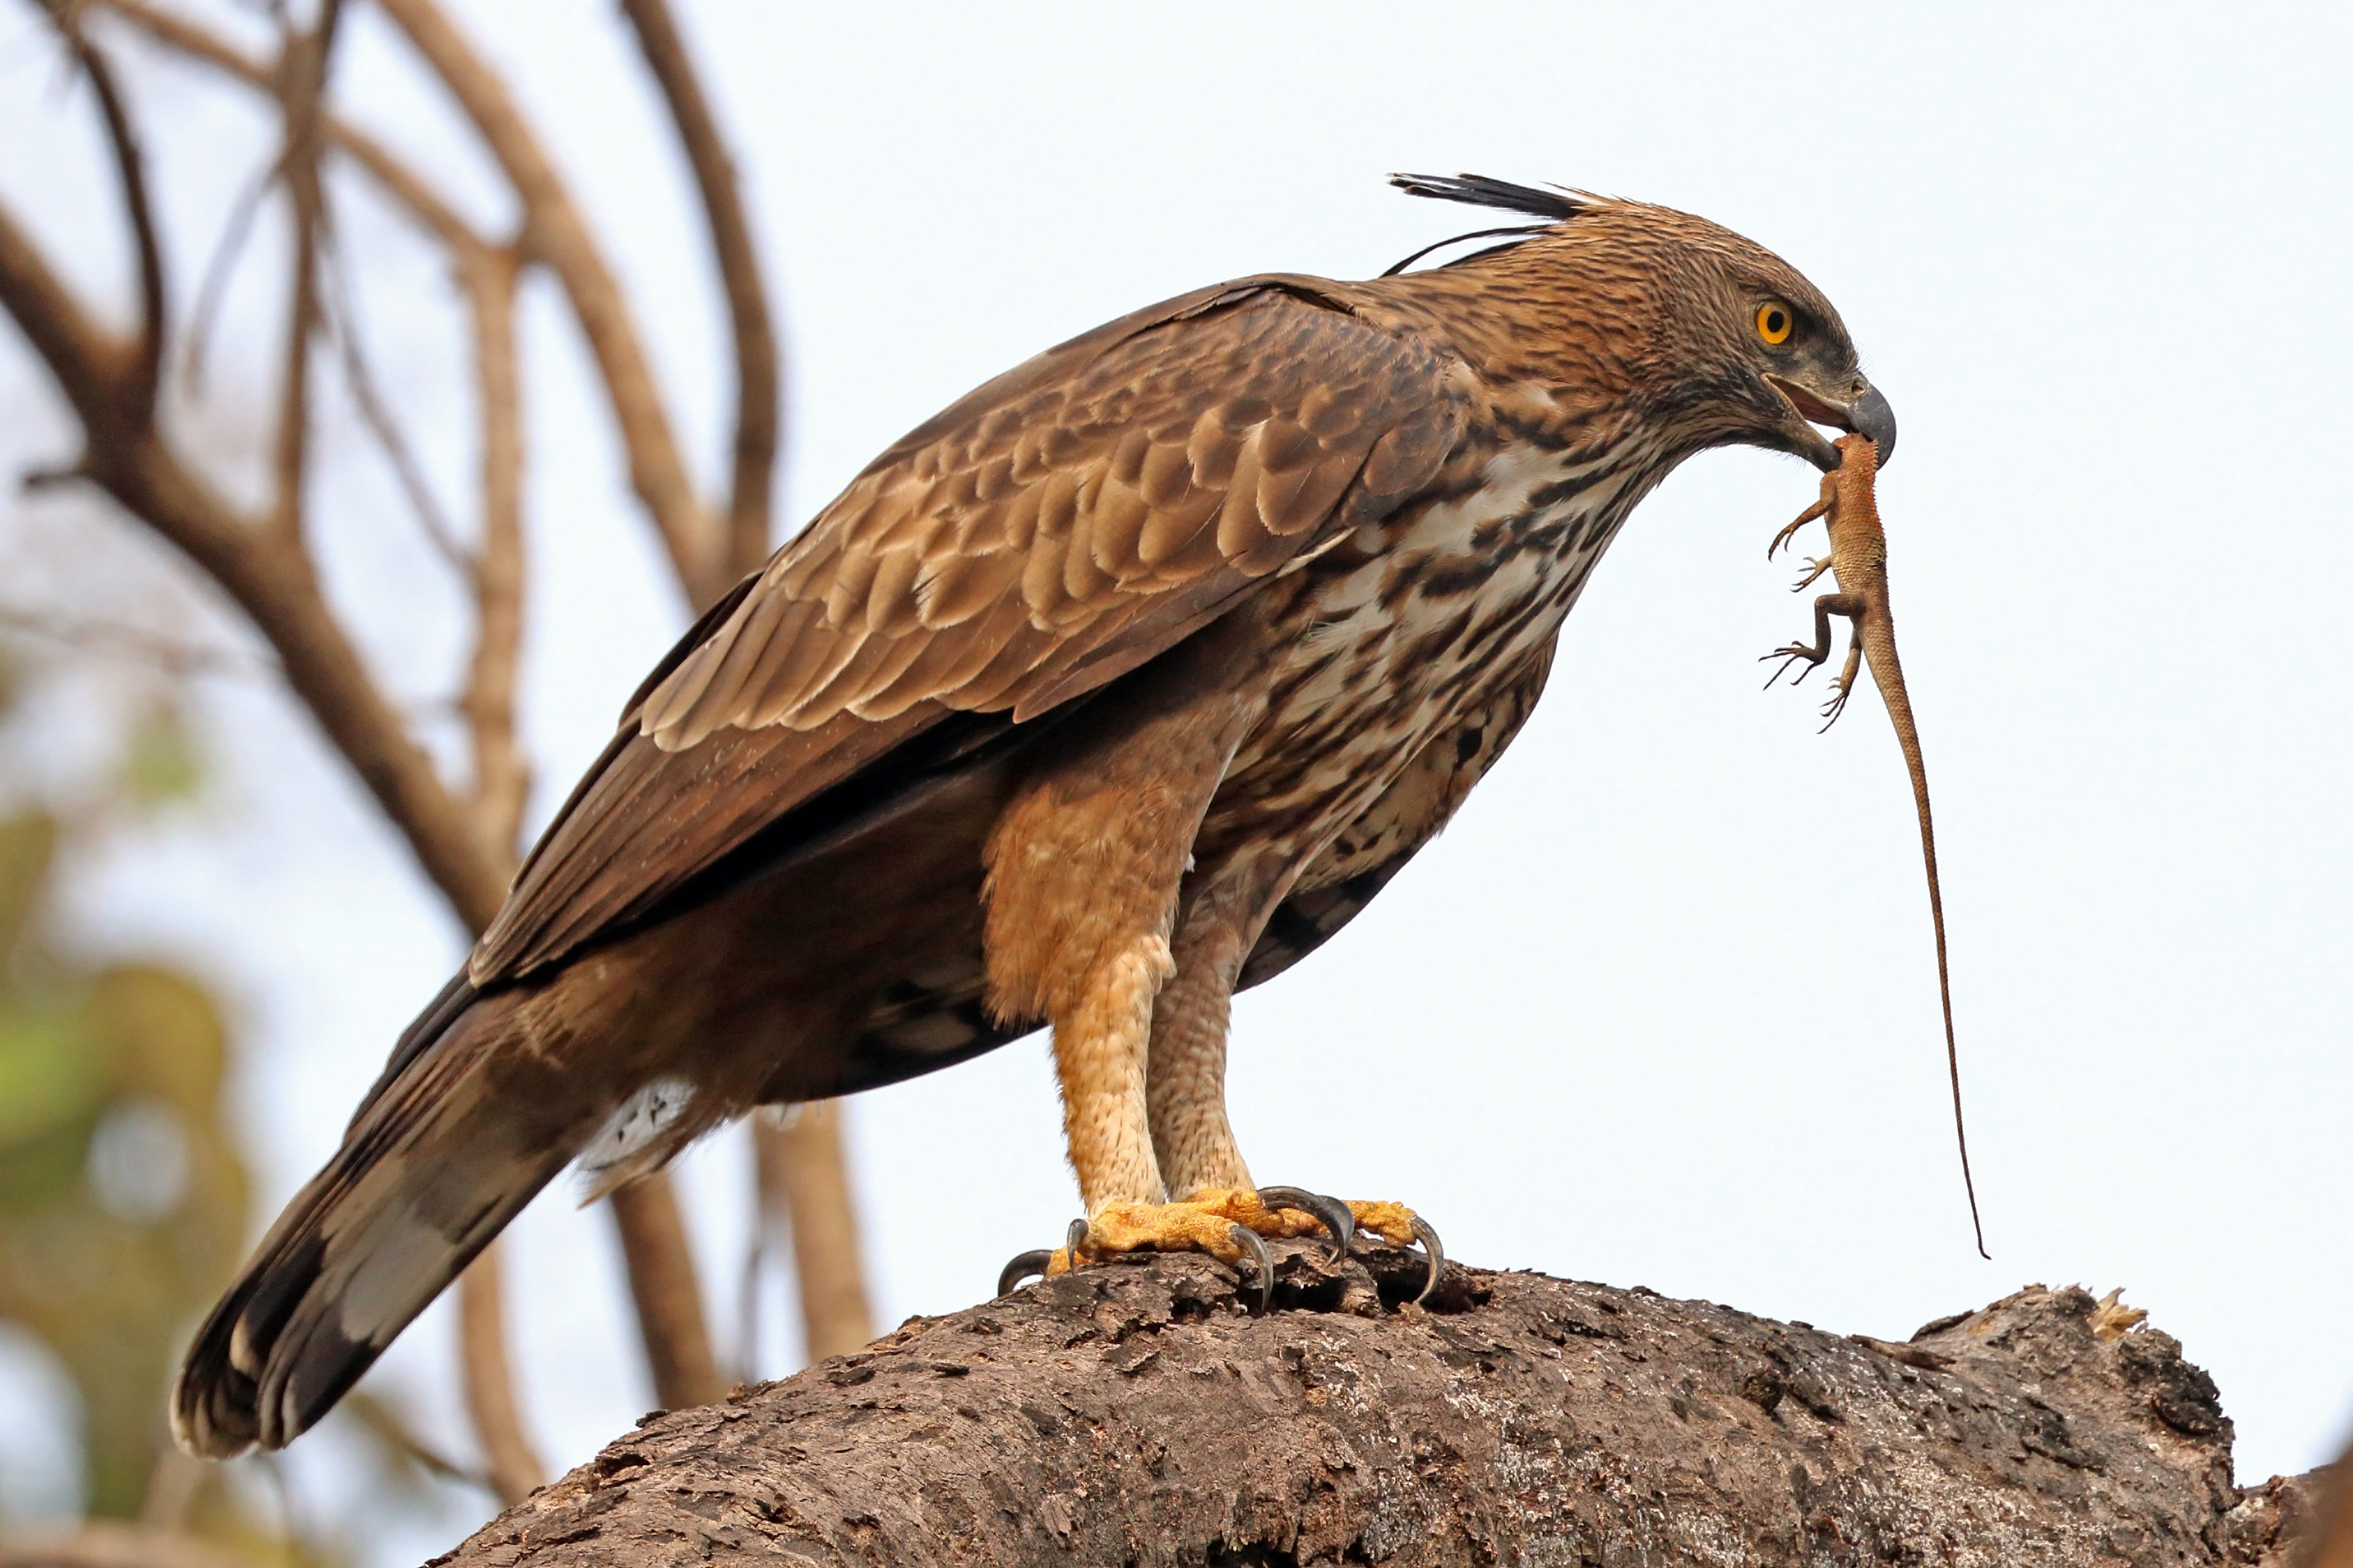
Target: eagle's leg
[(1084, 870), (1226, 908)]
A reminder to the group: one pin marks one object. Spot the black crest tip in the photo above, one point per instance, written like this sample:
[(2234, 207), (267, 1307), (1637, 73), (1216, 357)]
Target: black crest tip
[(1478, 190)]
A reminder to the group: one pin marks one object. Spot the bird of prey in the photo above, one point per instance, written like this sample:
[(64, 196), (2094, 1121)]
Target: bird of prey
[(1119, 686)]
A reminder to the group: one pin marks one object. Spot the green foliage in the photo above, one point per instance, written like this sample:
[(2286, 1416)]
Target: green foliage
[(122, 1201)]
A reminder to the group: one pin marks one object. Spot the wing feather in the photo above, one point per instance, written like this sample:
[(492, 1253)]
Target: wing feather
[(1057, 527)]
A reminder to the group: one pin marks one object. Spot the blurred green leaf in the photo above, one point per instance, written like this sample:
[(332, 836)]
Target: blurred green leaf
[(27, 843), (160, 762)]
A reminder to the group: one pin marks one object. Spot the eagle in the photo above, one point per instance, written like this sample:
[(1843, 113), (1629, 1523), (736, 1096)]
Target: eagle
[(1118, 687)]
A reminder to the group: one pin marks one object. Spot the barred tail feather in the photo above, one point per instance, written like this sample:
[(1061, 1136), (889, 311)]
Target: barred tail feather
[(432, 1168)]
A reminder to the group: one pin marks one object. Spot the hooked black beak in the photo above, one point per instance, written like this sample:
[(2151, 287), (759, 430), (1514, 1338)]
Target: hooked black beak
[(1868, 413)]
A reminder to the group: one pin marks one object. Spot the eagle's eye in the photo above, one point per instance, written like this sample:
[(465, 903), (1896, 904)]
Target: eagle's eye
[(1775, 321)]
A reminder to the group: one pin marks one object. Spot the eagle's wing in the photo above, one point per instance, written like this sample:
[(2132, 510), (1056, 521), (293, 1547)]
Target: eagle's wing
[(1055, 529)]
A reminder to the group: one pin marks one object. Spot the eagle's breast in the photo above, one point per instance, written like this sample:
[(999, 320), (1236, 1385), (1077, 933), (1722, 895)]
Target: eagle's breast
[(1414, 623)]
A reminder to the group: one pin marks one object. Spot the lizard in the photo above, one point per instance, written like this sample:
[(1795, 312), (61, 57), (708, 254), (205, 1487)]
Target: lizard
[(1857, 563)]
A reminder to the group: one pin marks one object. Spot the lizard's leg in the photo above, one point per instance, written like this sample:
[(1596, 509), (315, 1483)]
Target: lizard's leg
[(1829, 605), (1844, 688), (1819, 509), (1814, 570)]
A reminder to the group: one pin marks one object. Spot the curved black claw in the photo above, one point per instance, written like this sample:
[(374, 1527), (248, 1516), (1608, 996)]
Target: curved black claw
[(1034, 1262), (1337, 1220), (1436, 1249), (1023, 1267), (1255, 1245)]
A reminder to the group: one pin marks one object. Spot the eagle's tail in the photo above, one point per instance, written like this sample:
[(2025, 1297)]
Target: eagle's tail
[(455, 1139)]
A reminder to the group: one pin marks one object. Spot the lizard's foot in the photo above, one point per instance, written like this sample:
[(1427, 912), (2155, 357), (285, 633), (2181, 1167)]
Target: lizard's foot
[(1228, 1223), (1796, 652)]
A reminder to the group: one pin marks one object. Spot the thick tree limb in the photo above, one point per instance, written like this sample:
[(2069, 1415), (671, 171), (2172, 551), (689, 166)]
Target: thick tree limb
[(557, 235), (758, 415), (1130, 1413)]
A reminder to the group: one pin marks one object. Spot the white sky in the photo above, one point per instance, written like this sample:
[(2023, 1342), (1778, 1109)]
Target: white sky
[(1661, 1008)]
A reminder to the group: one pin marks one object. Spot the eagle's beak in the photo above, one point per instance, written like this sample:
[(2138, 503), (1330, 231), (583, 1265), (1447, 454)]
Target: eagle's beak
[(1866, 413)]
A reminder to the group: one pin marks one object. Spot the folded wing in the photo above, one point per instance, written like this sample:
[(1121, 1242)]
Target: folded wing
[(1057, 527)]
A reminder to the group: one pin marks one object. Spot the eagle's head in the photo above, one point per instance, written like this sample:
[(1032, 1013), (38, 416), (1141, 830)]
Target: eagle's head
[(1715, 340)]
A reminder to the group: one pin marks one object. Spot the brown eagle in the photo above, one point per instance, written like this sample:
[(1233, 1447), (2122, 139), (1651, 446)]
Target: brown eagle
[(1119, 686)]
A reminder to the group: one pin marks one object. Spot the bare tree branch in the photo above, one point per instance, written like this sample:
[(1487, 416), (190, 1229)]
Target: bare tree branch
[(515, 1467), (465, 846), (396, 178), (668, 1298), (302, 77), (147, 352), (171, 657), (557, 235), (108, 384), (214, 288), (758, 399), (804, 1182), (502, 781), (105, 1543), (376, 414)]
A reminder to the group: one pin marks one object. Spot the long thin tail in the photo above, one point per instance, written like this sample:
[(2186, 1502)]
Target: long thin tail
[(1887, 672), (444, 1153)]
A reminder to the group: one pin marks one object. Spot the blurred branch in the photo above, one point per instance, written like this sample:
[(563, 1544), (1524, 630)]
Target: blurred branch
[(804, 1182), (757, 400), (377, 416), (501, 777), (515, 1467), (668, 1298), (111, 386), (399, 181), (102, 1543), (132, 642), (302, 77), (465, 844), (147, 352), (557, 234)]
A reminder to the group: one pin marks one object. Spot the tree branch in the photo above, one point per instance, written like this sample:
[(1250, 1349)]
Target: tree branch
[(103, 379), (146, 355), (668, 1298), (557, 235), (1135, 1413), (302, 77), (758, 400), (105, 1543), (514, 1467), (399, 181), (804, 1189), (501, 781)]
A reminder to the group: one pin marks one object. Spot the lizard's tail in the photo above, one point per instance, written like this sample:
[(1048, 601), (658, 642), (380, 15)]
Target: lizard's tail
[(1878, 640)]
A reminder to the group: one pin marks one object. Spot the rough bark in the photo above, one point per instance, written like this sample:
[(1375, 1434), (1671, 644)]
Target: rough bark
[(1135, 1413)]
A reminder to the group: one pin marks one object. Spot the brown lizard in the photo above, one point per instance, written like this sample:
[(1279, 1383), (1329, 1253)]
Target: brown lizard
[(1858, 563)]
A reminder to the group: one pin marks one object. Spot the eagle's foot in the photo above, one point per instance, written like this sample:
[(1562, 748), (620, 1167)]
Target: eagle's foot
[(1226, 1222)]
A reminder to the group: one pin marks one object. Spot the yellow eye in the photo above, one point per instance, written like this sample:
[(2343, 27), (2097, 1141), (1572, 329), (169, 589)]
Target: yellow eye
[(1775, 322)]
